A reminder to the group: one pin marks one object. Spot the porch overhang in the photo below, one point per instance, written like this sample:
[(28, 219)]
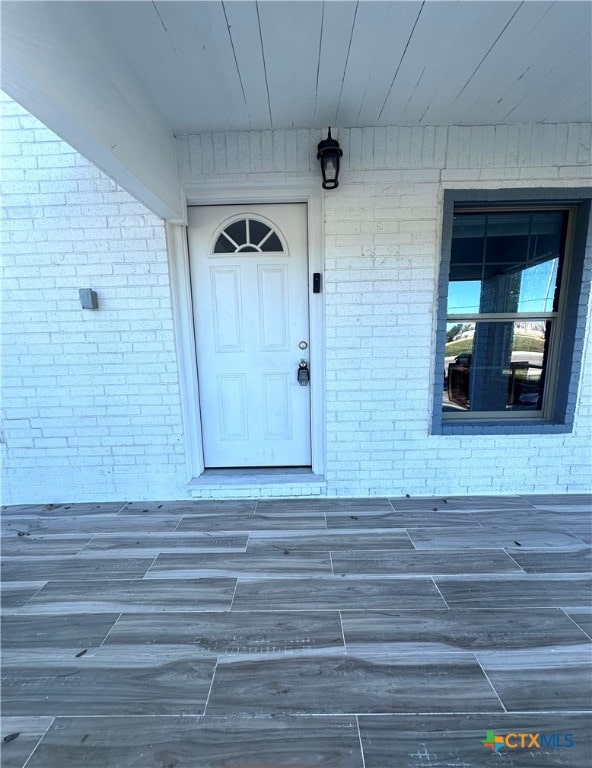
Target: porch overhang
[(120, 80), (59, 62)]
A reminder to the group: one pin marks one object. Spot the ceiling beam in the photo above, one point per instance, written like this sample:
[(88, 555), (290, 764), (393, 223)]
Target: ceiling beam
[(59, 63)]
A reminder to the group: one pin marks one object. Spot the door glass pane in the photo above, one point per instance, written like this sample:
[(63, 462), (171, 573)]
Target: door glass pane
[(223, 245), (257, 231), (272, 244), (248, 235), (495, 366), (506, 262), (238, 232)]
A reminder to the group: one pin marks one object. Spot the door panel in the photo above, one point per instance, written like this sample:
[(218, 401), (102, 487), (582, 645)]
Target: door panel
[(249, 274)]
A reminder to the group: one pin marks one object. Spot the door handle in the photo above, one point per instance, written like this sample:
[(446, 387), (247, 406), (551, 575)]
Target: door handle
[(303, 374)]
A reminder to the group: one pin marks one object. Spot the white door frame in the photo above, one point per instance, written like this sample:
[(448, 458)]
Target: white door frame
[(182, 307)]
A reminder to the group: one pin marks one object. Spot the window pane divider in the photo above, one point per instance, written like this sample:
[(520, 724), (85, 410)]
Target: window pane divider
[(502, 316), (230, 240)]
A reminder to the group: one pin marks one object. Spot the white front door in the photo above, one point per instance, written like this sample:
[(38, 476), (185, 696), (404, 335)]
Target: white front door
[(249, 276)]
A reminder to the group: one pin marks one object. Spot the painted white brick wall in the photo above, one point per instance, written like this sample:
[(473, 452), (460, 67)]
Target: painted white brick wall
[(90, 398), (382, 254)]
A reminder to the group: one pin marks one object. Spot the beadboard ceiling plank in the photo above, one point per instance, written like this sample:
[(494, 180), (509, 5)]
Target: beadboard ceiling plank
[(380, 35), (579, 103), (233, 66), (338, 21), (207, 73), (420, 76), (488, 22), (555, 48), (139, 34), (535, 105), (536, 29), (243, 23), (291, 41)]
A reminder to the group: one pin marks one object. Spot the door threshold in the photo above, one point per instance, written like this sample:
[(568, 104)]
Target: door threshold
[(257, 482)]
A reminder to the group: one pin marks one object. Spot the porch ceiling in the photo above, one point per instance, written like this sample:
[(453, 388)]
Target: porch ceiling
[(275, 64), (117, 80)]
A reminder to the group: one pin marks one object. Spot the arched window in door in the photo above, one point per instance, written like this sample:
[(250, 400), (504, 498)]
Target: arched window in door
[(248, 235)]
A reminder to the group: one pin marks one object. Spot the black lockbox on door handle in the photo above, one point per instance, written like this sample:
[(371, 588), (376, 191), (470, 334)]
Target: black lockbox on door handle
[(303, 373)]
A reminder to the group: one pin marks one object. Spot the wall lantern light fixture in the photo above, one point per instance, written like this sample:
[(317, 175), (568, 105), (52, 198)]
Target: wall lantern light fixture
[(329, 153)]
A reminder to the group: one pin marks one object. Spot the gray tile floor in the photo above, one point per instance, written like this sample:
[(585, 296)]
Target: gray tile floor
[(363, 633)]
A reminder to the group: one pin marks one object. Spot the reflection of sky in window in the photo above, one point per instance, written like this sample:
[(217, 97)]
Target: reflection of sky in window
[(537, 289), (463, 296)]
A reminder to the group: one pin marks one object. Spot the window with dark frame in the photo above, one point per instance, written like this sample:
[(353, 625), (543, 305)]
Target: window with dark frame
[(504, 311)]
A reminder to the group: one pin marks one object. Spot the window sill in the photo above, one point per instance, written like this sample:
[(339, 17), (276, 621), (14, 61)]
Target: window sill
[(500, 427)]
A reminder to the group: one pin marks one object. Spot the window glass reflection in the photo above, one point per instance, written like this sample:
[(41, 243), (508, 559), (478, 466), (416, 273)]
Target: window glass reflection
[(495, 366), (505, 262)]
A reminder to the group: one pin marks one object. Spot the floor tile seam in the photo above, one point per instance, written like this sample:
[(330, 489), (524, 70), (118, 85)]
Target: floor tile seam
[(562, 575), (573, 621), (114, 715), (483, 605), (111, 628), (571, 655), (176, 528), (386, 713), (472, 713), (513, 559), (573, 546), (28, 600), (432, 713), (324, 609), (43, 735), (342, 634), (68, 558), (517, 576), (147, 571), (462, 576), (88, 543), (246, 576), (265, 716), (525, 500), (433, 580), (139, 553), (267, 610), (229, 609), (331, 561), (361, 742), (207, 701), (156, 535), (523, 577), (139, 579), (489, 681), (131, 610), (299, 533), (327, 652)]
